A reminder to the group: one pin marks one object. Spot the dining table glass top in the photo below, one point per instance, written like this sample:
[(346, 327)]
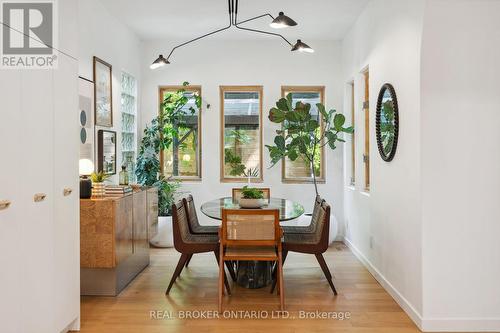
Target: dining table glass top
[(288, 209)]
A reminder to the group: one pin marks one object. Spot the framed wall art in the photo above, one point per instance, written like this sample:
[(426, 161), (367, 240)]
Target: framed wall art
[(103, 95), (86, 118)]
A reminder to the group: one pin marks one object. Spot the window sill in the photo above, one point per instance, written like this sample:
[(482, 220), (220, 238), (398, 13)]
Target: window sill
[(365, 193), (302, 181)]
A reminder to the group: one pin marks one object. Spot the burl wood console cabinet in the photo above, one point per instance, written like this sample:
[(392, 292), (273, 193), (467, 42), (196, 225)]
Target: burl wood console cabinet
[(114, 240)]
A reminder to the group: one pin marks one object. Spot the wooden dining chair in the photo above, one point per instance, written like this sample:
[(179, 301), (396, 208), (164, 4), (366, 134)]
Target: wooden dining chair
[(197, 229), (237, 193), (312, 226), (251, 234), (315, 242), (188, 244)]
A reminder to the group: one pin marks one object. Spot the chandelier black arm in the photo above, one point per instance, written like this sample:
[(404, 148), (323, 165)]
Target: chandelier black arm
[(264, 32), (206, 35), (254, 18), (236, 24)]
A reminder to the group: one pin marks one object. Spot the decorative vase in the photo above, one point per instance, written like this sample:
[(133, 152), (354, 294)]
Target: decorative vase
[(85, 188), (98, 190), (252, 203)]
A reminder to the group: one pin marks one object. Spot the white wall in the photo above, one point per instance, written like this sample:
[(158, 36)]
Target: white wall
[(384, 225), (460, 165), (101, 34), (267, 62)]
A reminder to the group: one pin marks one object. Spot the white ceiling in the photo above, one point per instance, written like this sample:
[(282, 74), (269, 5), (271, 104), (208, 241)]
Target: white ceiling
[(186, 19)]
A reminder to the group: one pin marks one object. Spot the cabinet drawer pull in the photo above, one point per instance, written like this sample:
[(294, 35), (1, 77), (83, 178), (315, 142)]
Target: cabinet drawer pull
[(67, 191), (4, 204), (38, 197)]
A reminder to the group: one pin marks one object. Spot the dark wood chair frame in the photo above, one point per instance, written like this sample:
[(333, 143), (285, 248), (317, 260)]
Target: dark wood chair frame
[(190, 201), (188, 249), (316, 249)]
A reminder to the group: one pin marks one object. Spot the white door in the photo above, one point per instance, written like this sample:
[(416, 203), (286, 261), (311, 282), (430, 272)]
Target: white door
[(66, 194), (35, 175), (11, 217)]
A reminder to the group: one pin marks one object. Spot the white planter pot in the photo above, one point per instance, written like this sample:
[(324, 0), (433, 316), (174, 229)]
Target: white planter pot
[(165, 237), (334, 227), (252, 203)]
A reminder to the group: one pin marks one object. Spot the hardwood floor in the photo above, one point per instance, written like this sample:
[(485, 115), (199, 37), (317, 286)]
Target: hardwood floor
[(371, 308)]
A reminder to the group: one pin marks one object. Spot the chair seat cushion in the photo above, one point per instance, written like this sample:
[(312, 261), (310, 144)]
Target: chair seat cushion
[(201, 239), (205, 229), (301, 238), (293, 229), (252, 253)]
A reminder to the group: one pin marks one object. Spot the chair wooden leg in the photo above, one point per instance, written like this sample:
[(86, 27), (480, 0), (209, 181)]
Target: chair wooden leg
[(226, 282), (281, 282), (221, 278), (178, 269), (326, 271), (230, 268), (275, 269), (189, 260)]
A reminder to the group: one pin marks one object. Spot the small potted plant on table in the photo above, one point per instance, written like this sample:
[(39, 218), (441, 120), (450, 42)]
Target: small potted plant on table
[(98, 186), (252, 198)]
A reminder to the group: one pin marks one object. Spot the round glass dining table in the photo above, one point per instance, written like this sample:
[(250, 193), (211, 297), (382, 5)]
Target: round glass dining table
[(289, 210), (254, 274)]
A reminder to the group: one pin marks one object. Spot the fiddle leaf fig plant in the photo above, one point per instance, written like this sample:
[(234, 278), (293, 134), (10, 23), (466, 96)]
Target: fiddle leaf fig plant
[(302, 135)]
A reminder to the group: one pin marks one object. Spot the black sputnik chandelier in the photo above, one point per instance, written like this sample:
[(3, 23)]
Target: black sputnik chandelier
[(279, 22)]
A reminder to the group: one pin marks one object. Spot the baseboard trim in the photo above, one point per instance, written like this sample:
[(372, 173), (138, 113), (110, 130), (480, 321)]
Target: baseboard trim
[(426, 324), (461, 325), (395, 294)]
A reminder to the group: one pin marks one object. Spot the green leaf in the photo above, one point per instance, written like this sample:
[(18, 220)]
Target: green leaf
[(276, 115), (293, 116), (338, 121), (289, 100), (275, 154), (332, 137), (323, 112), (312, 125), (282, 104), (348, 130), (292, 155), (280, 142)]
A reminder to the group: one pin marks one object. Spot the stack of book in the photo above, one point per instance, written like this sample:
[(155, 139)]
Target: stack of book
[(118, 190)]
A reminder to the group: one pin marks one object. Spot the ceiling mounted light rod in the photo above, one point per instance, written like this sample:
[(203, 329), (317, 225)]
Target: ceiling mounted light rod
[(282, 21)]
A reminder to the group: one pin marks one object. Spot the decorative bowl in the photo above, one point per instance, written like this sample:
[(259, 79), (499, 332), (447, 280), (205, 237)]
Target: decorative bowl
[(252, 203)]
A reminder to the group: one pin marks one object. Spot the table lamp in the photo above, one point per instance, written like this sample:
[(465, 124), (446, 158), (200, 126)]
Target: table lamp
[(86, 167)]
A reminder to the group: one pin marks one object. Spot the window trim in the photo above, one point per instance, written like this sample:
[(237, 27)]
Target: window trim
[(189, 88), (352, 180), (254, 88), (366, 109), (303, 180)]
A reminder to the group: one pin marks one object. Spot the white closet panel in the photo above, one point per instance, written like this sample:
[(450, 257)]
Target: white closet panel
[(66, 204), (10, 189), (35, 174)]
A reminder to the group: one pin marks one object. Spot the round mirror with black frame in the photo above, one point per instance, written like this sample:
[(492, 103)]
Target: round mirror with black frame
[(387, 122)]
